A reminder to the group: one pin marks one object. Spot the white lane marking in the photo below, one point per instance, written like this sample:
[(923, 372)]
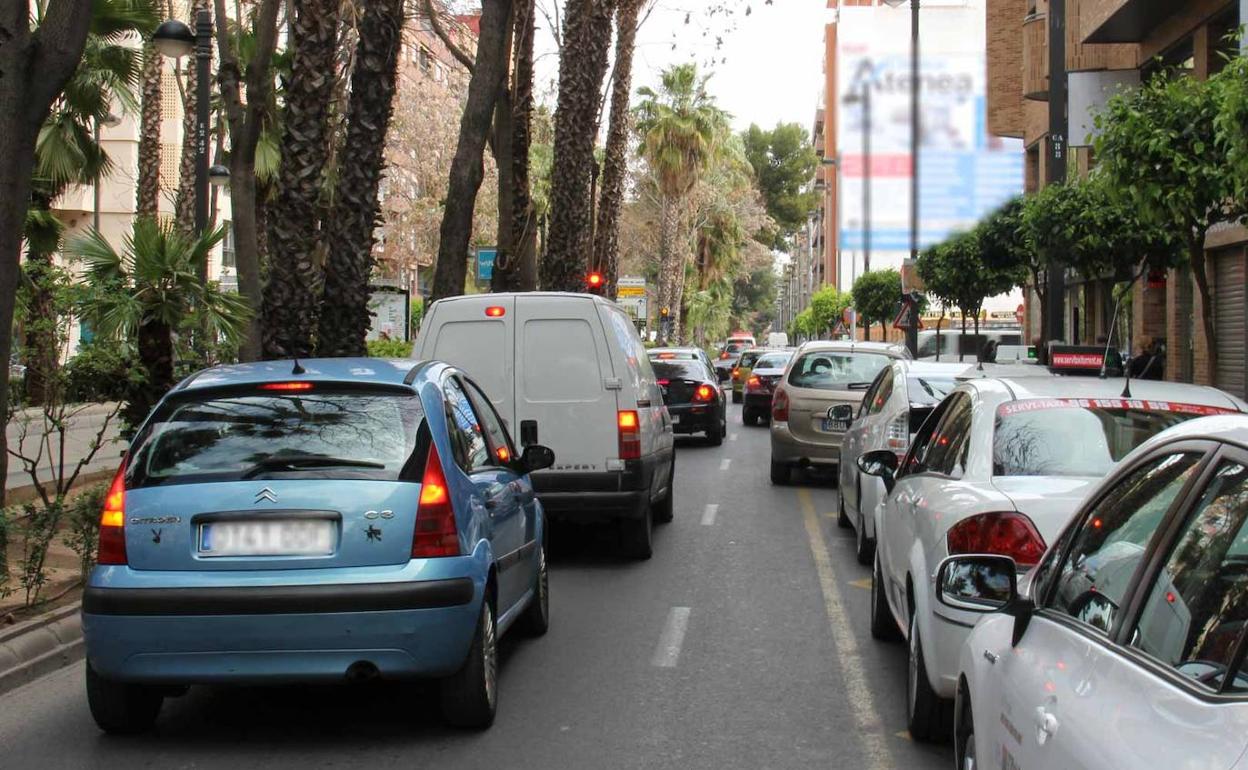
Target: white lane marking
[(848, 660), (732, 437), (673, 636), (724, 463), (708, 516)]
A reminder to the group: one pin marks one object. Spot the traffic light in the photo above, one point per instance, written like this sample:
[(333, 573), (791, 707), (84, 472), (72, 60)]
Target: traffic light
[(594, 282)]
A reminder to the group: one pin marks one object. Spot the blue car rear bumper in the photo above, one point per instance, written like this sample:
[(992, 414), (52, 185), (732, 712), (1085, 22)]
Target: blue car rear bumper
[(282, 626)]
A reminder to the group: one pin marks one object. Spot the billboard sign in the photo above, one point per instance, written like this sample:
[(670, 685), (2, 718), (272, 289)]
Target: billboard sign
[(485, 264), (388, 307)]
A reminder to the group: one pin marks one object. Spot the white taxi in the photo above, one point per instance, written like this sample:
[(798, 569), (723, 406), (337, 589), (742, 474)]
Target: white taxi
[(999, 467), (1126, 647)]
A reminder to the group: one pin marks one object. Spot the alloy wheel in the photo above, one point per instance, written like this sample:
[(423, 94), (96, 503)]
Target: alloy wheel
[(912, 671), (543, 595), (968, 752), (489, 657)]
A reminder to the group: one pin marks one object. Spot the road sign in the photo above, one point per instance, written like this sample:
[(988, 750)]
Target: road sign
[(485, 264), (908, 314), (630, 295), (389, 308)]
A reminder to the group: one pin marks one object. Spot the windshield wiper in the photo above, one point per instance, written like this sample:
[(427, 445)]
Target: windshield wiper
[(298, 462), (858, 385)]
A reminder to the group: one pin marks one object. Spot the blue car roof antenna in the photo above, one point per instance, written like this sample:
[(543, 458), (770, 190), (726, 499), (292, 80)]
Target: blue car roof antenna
[(298, 369)]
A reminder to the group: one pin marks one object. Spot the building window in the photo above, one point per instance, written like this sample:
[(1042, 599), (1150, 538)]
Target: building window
[(424, 59), (227, 247)]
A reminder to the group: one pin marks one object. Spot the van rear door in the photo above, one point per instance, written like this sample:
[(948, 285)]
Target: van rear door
[(562, 371), (475, 335)]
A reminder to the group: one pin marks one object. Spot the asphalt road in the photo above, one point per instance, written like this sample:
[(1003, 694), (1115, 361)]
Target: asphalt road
[(742, 644)]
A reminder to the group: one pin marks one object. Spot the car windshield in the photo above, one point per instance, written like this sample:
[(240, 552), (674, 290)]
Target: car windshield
[(773, 361), (323, 435), (929, 391), (734, 347), (1035, 437), (749, 357), (836, 369), (680, 370)]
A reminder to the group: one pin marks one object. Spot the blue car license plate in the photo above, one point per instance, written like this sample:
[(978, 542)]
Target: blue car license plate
[(834, 426)]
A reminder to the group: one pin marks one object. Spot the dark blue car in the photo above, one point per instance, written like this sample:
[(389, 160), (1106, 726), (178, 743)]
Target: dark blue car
[(338, 519)]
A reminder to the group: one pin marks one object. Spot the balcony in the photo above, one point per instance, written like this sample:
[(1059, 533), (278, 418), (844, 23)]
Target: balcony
[(1036, 57)]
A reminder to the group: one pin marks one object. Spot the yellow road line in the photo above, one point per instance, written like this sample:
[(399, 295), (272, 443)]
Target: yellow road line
[(865, 583), (861, 700)]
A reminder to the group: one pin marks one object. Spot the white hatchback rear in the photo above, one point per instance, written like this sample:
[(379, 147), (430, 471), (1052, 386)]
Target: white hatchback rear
[(571, 368)]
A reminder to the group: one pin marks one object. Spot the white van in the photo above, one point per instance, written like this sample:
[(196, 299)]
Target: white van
[(777, 340), (570, 369)]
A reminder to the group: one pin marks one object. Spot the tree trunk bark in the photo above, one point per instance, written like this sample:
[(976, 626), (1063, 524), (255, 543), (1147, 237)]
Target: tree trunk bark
[(155, 345), (147, 192), (1199, 260), (523, 218), (467, 169), (615, 162), (290, 297), (504, 160), (184, 200), (582, 67), (245, 127), (344, 317)]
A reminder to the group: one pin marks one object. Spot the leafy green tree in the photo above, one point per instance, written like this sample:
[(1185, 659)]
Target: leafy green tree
[(877, 297), (784, 163), (957, 273), (682, 130), (827, 305), (1161, 151), (803, 325), (141, 295)]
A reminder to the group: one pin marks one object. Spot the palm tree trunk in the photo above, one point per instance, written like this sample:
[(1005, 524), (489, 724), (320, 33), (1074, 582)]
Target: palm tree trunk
[(523, 217), (467, 169), (670, 260), (147, 192), (582, 67), (290, 297), (155, 344), (344, 317), (503, 142), (184, 200), (245, 127), (615, 163)]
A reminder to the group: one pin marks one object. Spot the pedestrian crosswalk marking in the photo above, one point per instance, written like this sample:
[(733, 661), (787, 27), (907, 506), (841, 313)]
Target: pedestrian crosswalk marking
[(724, 463), (673, 637), (708, 516)]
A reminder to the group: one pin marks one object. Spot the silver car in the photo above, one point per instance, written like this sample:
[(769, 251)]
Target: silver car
[(891, 412), (816, 399)]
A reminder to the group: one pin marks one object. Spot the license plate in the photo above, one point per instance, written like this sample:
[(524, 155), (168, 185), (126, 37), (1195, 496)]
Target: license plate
[(271, 537), (675, 419), (834, 426)]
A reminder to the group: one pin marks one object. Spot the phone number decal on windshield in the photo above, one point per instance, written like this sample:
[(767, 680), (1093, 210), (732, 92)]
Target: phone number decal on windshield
[(1039, 404)]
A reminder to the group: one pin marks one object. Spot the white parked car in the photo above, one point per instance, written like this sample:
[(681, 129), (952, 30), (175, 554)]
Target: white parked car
[(893, 409), (1125, 647), (998, 468), (572, 367)]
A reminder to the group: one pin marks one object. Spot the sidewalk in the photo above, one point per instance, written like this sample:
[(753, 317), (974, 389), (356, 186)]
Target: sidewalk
[(82, 431)]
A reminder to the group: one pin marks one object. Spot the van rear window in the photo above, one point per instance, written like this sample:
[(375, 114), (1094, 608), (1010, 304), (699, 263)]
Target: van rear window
[(345, 435)]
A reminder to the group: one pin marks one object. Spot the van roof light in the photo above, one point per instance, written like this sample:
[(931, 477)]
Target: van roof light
[(495, 311)]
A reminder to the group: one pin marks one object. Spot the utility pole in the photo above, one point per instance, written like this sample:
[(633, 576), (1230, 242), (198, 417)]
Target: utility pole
[(1056, 161)]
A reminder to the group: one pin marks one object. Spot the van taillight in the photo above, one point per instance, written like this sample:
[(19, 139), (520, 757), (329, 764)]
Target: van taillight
[(630, 435), (1007, 533), (112, 542), (436, 534), (780, 406), (495, 311)]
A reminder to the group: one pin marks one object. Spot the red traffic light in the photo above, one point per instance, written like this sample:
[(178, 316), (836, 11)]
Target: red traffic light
[(594, 280)]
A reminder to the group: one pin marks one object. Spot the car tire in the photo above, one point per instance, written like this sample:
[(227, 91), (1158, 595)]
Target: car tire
[(928, 716), (636, 536), (470, 695), (536, 618), (748, 417), (122, 708), (662, 511), (780, 473), (737, 397), (883, 627), (864, 547), (715, 435), (964, 734), (842, 519)]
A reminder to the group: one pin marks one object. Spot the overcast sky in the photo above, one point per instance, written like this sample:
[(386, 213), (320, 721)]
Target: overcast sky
[(767, 65)]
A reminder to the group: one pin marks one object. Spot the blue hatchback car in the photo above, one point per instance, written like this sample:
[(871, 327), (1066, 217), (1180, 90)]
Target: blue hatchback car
[(339, 519)]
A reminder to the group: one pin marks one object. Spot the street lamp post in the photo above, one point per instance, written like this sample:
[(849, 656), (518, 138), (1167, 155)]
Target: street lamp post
[(912, 333), (108, 121)]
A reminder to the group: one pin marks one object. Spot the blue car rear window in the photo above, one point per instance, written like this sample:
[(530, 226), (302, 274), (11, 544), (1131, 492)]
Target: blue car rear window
[(252, 436)]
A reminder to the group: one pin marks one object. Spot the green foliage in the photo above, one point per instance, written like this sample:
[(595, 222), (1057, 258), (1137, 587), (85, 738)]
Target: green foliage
[(679, 127), (827, 305), (877, 296), (6, 517), (803, 325), (389, 348), (37, 526), (958, 273), (100, 371), (784, 162), (417, 315), (82, 525), (709, 312)]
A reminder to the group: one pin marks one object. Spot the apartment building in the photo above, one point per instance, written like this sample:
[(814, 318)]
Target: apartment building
[(1111, 44)]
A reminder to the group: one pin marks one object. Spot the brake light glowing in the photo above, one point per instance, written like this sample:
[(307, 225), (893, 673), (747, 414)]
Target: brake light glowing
[(435, 534), (780, 406), (736, 372), (1006, 533), (630, 435), (666, 356), (503, 454), (703, 393), (286, 386), (495, 311), (112, 541), (753, 382)]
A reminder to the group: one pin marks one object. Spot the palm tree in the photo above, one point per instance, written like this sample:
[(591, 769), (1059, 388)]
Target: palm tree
[(290, 296), (344, 318), (67, 152), (582, 67), (147, 190), (681, 132), (141, 295), (615, 164)]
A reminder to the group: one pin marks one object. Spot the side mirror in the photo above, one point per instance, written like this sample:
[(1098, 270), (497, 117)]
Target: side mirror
[(881, 463), (536, 457), (842, 412), (984, 583)]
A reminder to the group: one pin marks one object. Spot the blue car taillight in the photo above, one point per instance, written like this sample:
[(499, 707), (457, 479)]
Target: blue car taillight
[(436, 534)]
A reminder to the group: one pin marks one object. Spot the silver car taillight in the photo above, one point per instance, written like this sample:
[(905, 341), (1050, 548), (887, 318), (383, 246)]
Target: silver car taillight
[(897, 437)]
